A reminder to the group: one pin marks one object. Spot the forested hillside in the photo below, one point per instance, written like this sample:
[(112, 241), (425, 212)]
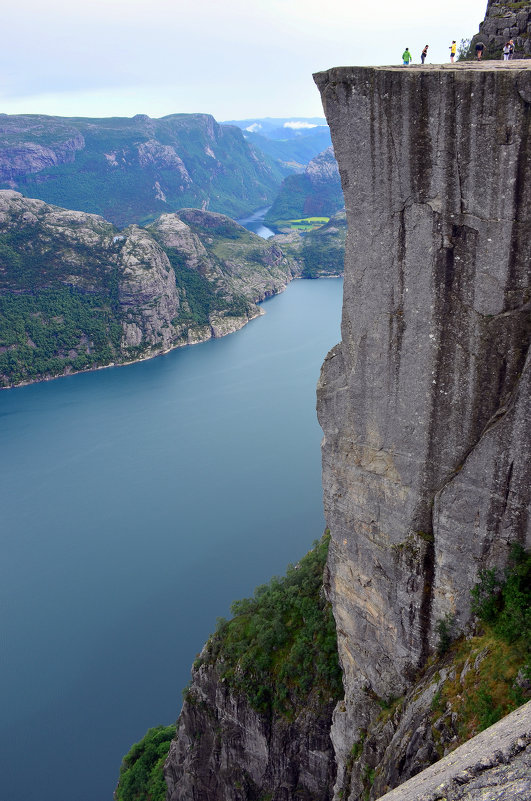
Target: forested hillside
[(78, 293)]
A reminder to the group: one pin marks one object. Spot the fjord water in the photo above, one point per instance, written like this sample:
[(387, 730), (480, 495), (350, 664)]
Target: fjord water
[(255, 223), (136, 504)]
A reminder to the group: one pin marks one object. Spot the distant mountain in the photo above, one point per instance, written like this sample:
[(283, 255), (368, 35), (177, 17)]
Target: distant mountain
[(279, 127), (134, 169), (316, 192), (293, 141)]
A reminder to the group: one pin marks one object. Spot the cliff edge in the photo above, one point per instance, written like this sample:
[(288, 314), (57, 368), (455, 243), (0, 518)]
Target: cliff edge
[(425, 402)]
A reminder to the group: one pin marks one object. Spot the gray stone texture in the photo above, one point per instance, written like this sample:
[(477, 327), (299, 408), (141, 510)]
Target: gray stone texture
[(225, 751), (504, 21), (493, 766), (425, 402)]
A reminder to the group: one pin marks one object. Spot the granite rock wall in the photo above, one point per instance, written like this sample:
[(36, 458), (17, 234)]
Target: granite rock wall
[(226, 751), (423, 404)]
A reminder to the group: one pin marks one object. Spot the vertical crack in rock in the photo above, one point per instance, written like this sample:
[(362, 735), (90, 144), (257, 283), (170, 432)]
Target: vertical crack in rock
[(457, 155), (396, 318), (520, 235)]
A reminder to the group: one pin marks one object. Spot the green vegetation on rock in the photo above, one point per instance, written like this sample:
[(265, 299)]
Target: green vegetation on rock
[(77, 294), (141, 773), (201, 296), (52, 330), (501, 652), (504, 602), (321, 251), (132, 170), (281, 644), (316, 192)]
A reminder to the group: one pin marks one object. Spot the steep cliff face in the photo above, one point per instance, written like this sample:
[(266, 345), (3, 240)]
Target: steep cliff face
[(426, 453), (226, 751), (256, 718), (30, 144)]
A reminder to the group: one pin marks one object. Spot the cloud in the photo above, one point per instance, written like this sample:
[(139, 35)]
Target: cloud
[(297, 125), (254, 127)]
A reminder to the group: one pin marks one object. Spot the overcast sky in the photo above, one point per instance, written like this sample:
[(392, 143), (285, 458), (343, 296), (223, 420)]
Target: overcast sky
[(231, 58)]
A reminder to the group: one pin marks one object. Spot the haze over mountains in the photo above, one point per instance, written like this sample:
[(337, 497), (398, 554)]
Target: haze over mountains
[(291, 141)]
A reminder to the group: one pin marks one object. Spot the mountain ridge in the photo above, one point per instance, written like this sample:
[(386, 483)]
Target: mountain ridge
[(133, 169)]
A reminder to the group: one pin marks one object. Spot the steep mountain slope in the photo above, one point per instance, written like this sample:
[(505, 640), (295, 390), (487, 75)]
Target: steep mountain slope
[(265, 682), (76, 293), (292, 142), (320, 252), (316, 192), (131, 170)]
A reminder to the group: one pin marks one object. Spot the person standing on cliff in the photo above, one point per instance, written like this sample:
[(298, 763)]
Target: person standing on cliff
[(453, 48), (406, 57), (424, 54), (511, 49), (506, 51), (480, 47)]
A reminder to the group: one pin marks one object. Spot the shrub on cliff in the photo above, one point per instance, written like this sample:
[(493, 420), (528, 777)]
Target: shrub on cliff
[(505, 602), (281, 644), (141, 774)]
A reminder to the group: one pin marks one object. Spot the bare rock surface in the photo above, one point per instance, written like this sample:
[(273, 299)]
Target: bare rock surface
[(323, 167), (493, 766), (226, 751), (18, 156), (504, 21), (426, 455)]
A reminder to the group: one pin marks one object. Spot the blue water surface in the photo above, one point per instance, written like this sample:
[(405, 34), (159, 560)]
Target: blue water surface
[(136, 504)]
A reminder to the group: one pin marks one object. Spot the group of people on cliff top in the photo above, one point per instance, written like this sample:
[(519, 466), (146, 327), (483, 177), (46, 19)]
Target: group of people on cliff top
[(508, 52)]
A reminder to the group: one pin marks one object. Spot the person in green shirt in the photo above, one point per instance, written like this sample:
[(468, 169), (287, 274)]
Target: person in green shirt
[(406, 57)]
